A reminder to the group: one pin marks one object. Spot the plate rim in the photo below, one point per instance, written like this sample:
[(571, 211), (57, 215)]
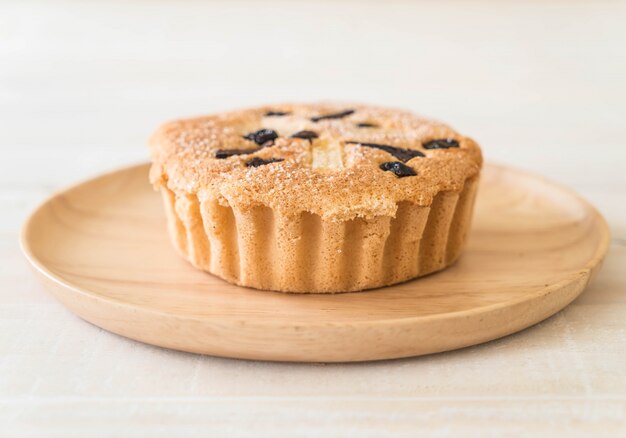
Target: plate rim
[(588, 270)]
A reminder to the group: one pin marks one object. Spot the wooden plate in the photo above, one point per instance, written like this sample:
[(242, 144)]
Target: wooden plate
[(101, 248)]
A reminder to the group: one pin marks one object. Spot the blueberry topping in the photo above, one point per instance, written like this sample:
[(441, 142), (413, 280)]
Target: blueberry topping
[(306, 135), (256, 161), (339, 115), (276, 113), (444, 143), (225, 153), (262, 136), (400, 153), (399, 169), (367, 125)]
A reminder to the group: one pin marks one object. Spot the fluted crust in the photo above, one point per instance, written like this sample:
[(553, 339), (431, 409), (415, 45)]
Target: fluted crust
[(265, 249)]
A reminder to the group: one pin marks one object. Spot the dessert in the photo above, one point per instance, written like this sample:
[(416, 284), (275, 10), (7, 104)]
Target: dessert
[(316, 197)]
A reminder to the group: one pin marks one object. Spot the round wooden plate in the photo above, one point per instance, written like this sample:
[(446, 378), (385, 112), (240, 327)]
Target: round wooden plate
[(101, 247)]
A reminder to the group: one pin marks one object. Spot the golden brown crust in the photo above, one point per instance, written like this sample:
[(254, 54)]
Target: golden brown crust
[(327, 176)]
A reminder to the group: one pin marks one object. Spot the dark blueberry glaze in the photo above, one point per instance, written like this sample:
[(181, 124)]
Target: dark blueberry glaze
[(225, 153), (399, 169), (256, 161), (400, 153), (339, 115), (306, 135), (262, 136), (276, 113), (443, 143)]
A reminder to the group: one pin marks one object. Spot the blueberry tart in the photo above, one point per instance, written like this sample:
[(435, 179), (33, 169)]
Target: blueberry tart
[(316, 197)]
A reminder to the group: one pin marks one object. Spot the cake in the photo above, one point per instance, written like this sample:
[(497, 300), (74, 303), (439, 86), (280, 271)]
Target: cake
[(316, 198)]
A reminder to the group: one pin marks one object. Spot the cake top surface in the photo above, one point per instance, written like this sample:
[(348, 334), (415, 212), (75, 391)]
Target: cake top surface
[(339, 161)]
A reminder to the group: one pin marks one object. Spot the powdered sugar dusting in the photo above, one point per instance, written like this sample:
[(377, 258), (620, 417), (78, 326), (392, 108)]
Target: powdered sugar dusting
[(324, 175)]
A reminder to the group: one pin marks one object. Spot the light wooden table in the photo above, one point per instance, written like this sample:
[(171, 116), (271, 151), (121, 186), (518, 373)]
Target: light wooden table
[(542, 86)]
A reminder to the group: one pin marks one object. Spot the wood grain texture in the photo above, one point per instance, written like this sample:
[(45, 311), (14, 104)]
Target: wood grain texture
[(101, 247)]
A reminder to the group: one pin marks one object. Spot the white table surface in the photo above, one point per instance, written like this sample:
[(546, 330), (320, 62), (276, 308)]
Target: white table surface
[(541, 86)]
